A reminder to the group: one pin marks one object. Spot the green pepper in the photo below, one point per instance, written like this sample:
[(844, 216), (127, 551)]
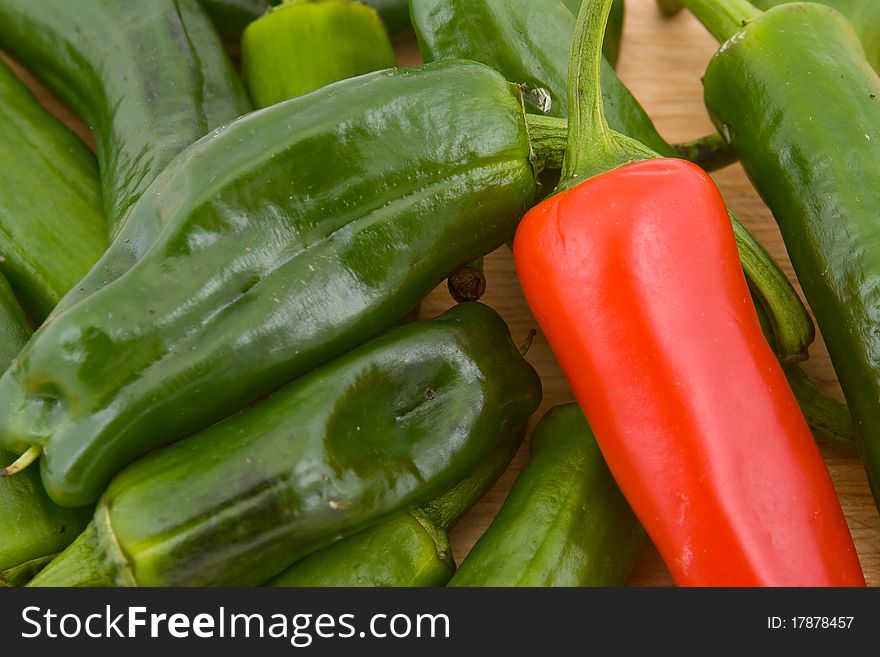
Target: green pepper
[(51, 218), (374, 432), (304, 45), (410, 549), (291, 235), (792, 91), (231, 17), (32, 528), (565, 522), (148, 77), (528, 42)]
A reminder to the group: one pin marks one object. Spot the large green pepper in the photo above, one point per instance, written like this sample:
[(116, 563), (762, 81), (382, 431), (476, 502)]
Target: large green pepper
[(792, 91), (51, 218), (304, 45), (32, 528), (148, 77), (378, 430), (291, 235), (565, 522), (410, 549)]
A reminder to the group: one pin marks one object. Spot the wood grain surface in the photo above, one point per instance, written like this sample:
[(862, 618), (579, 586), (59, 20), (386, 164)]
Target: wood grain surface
[(662, 61)]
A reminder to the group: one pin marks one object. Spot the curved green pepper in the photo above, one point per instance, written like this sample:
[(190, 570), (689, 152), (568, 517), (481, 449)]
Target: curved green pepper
[(378, 430), (528, 42), (269, 265), (304, 45), (410, 549), (815, 163), (148, 77), (32, 528), (51, 218), (565, 522)]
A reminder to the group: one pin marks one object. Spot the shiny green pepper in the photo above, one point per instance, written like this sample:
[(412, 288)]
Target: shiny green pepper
[(565, 522), (291, 236), (51, 218), (148, 77), (376, 431), (409, 549)]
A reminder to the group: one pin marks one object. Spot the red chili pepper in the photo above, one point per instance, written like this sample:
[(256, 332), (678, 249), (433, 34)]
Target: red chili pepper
[(635, 279)]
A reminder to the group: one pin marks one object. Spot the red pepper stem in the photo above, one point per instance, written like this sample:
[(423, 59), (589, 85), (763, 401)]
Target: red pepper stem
[(593, 147), (723, 18)]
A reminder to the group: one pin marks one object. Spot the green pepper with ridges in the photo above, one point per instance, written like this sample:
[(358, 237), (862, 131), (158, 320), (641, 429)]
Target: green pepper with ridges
[(376, 431), (32, 528), (268, 265), (51, 218), (148, 77), (410, 549), (565, 521), (303, 45), (815, 164)]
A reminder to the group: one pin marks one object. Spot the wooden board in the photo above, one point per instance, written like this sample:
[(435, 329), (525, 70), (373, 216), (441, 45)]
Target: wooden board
[(662, 61)]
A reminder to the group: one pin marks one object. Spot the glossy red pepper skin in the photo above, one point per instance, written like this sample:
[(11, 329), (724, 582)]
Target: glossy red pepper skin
[(633, 276)]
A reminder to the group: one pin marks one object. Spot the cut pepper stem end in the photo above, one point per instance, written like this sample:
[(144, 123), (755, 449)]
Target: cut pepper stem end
[(468, 283), (723, 18), (22, 462)]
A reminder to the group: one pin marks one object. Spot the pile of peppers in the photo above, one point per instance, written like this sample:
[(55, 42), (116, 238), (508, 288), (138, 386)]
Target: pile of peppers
[(215, 367)]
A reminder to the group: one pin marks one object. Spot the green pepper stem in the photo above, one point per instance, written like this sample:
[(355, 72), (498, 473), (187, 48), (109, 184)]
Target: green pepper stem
[(829, 420), (723, 18), (23, 461), (669, 7), (548, 137), (710, 152), (592, 147), (527, 342)]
